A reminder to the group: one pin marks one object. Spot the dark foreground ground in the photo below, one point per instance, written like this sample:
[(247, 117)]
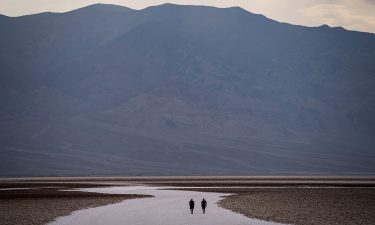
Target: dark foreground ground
[(331, 201), (42, 205), (306, 206), (303, 206)]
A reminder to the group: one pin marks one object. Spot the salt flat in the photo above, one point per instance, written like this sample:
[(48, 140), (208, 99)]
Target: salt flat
[(168, 207)]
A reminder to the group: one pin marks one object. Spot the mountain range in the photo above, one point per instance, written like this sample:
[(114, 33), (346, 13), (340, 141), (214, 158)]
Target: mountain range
[(183, 90)]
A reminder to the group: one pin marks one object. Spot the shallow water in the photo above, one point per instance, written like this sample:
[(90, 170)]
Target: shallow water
[(168, 207)]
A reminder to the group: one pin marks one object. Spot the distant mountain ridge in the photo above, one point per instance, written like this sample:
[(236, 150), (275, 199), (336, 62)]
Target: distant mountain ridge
[(171, 89)]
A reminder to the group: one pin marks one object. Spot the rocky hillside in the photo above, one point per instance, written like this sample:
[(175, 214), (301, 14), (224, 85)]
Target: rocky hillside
[(170, 89)]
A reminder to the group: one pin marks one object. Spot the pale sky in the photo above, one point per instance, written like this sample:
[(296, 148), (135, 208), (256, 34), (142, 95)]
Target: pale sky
[(350, 14)]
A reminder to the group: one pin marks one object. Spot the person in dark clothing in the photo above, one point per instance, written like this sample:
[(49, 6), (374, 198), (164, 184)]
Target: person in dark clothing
[(204, 205), (191, 205)]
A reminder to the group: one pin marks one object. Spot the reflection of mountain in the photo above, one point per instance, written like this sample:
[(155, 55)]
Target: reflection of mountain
[(183, 90)]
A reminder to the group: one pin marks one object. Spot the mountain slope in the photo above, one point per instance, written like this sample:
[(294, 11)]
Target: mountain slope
[(183, 90)]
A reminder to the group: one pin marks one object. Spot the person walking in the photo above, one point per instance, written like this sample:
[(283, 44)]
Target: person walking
[(191, 205), (204, 205)]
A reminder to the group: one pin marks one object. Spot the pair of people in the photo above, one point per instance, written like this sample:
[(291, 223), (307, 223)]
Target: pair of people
[(203, 205)]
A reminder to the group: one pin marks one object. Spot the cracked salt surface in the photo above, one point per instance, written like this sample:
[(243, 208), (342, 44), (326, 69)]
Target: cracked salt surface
[(168, 207)]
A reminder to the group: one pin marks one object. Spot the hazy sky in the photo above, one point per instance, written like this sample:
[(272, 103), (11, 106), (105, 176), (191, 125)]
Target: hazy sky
[(351, 14)]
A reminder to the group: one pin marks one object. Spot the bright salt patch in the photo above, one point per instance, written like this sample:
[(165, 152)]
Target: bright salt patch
[(168, 207)]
